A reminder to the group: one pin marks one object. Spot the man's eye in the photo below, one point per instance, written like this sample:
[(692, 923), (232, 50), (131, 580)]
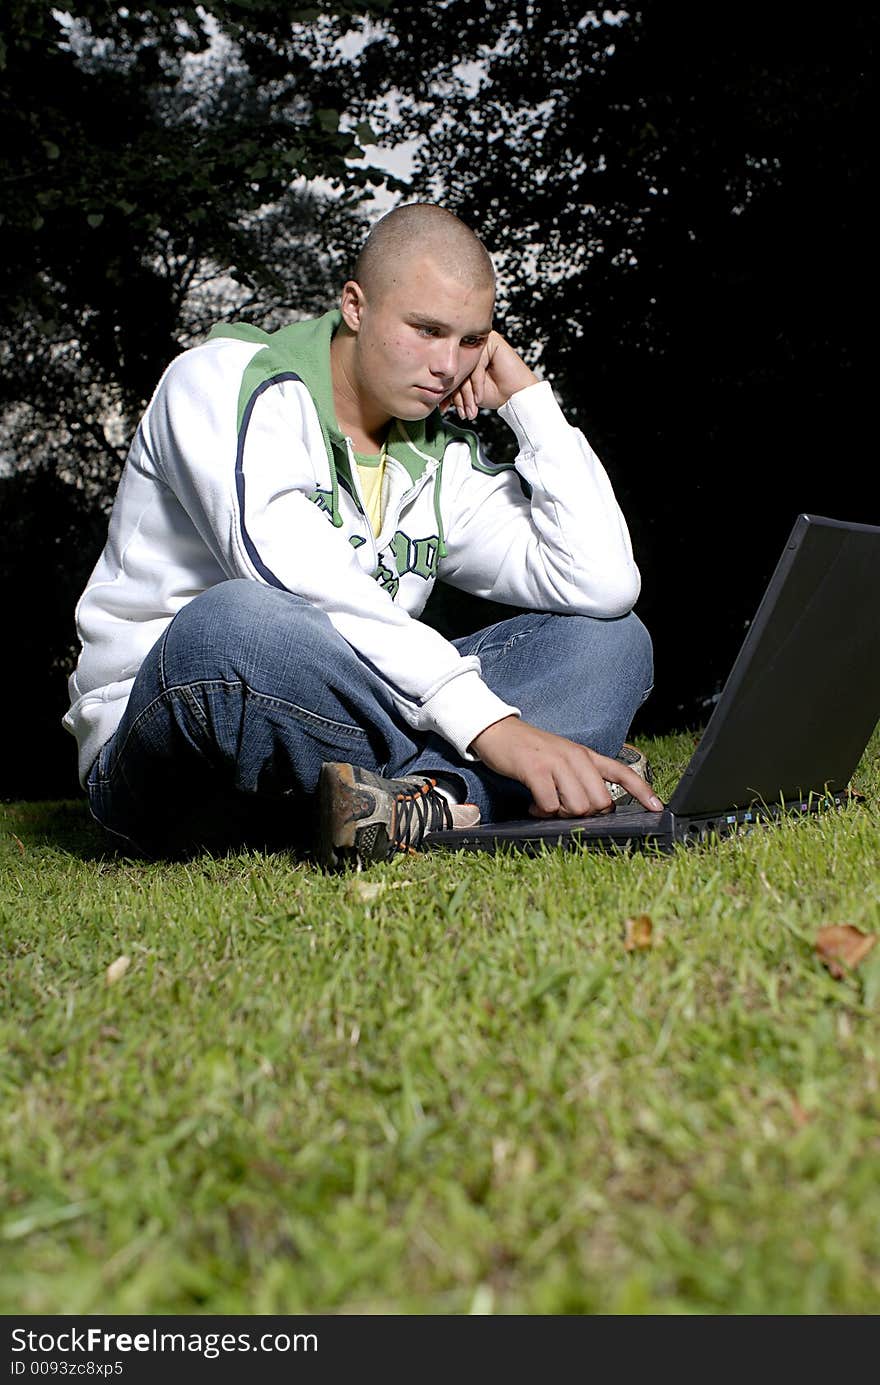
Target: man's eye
[(472, 341), (427, 331)]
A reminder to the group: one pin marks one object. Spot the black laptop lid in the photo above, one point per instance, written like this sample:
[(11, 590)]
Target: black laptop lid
[(803, 696)]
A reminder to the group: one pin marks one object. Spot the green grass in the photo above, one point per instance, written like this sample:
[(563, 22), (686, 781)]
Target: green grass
[(442, 1086)]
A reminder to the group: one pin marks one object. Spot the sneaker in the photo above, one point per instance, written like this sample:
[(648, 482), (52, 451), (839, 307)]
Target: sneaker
[(364, 818), (633, 757)]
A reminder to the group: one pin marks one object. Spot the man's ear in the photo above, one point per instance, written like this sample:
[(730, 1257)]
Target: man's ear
[(351, 304)]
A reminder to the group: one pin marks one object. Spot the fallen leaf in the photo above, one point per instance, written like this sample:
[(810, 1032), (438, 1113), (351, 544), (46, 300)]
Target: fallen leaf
[(638, 932), (371, 889), (19, 843), (116, 970), (109, 1031), (799, 1114), (510, 1162), (842, 945), (367, 889), (500, 1151), (525, 1163)]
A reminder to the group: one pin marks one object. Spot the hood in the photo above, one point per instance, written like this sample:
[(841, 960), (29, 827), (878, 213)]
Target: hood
[(302, 350)]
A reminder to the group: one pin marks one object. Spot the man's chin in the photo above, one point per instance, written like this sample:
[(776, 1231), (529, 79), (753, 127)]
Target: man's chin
[(413, 410)]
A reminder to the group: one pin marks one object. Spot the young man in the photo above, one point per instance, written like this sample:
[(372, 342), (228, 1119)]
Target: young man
[(252, 655)]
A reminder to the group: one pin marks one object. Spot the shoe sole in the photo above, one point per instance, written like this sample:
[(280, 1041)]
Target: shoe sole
[(342, 805)]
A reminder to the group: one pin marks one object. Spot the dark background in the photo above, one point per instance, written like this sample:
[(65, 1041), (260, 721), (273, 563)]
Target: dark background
[(677, 197)]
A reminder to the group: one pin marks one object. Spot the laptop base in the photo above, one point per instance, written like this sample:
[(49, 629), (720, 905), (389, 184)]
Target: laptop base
[(626, 830)]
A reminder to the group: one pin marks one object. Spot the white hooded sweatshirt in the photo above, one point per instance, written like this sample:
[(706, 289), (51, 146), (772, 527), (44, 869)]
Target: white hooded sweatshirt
[(239, 469)]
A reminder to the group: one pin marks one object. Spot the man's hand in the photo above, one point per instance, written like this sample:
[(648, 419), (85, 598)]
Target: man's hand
[(566, 780), (498, 374)]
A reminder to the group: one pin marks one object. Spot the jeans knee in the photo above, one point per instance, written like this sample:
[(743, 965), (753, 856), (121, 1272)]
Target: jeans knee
[(640, 647), (240, 627), (619, 644), (237, 605)]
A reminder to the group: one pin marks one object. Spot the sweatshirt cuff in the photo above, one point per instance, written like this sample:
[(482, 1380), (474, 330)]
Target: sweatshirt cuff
[(532, 413), (464, 707)]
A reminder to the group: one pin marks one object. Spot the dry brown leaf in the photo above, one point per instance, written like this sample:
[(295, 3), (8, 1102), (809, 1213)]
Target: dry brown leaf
[(638, 932), (842, 945), (525, 1163), (368, 890), (116, 970), (799, 1114), (18, 842)]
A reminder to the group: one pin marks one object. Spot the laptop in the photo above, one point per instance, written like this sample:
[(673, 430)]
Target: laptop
[(789, 727)]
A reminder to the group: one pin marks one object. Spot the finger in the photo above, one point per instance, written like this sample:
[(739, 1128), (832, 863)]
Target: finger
[(545, 799), (469, 403), (477, 381), (453, 401), (585, 798), (627, 778), (571, 790), (580, 788)]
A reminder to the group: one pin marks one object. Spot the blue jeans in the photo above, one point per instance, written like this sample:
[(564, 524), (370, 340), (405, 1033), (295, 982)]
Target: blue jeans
[(250, 690)]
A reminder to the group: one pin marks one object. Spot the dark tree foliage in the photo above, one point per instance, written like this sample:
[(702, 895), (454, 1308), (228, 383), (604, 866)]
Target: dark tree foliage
[(130, 176), (151, 167), (679, 198), (51, 535)]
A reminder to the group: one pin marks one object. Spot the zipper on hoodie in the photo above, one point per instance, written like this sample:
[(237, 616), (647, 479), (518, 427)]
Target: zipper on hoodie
[(382, 540), (359, 500)]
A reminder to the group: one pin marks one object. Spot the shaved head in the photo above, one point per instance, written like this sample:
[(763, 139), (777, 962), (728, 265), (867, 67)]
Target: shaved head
[(421, 231), (416, 318)]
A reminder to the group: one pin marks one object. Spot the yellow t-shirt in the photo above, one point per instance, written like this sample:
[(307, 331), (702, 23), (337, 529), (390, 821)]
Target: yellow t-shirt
[(371, 473)]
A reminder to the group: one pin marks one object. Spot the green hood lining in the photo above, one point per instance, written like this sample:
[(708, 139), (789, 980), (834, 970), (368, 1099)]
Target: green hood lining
[(303, 349)]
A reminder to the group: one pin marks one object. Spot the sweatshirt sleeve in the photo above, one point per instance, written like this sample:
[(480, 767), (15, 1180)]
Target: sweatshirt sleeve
[(247, 490), (563, 547)]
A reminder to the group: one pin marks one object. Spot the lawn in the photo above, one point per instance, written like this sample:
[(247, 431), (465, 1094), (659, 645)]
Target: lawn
[(445, 1085)]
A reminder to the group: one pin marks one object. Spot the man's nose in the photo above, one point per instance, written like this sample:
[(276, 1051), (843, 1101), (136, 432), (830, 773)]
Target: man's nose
[(444, 359)]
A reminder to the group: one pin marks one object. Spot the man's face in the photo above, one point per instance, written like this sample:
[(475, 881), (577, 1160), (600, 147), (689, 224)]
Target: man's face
[(420, 338)]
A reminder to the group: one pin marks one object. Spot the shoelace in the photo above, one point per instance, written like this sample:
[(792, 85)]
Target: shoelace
[(423, 811)]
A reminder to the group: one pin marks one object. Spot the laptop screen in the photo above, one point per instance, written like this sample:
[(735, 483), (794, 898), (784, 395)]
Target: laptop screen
[(803, 695)]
